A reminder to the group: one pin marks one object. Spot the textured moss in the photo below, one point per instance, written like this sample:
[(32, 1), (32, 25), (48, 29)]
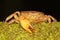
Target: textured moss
[(43, 31)]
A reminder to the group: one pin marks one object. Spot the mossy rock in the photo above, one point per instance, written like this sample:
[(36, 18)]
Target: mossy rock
[(43, 31)]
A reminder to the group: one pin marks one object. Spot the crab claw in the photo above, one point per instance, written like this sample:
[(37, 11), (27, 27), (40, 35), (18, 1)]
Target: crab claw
[(26, 24)]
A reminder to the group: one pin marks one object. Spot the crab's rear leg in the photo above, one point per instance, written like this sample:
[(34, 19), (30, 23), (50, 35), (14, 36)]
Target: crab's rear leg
[(49, 20), (52, 18)]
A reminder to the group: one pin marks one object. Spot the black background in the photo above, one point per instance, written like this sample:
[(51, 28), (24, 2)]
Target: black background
[(49, 7)]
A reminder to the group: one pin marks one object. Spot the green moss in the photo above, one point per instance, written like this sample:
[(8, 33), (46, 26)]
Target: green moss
[(43, 31)]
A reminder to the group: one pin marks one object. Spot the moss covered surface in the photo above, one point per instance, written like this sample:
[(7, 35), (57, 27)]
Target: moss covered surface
[(43, 31)]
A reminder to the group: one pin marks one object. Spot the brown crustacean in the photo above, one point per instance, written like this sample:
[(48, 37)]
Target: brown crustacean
[(26, 17)]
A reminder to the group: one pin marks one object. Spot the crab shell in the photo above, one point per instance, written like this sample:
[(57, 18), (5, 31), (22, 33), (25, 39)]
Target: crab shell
[(26, 17)]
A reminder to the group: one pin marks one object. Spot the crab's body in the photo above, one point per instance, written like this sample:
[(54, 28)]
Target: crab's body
[(26, 17)]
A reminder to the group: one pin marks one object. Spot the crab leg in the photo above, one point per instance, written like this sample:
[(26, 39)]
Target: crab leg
[(52, 18), (9, 17), (49, 20), (13, 20), (26, 24), (18, 13), (14, 14), (26, 27)]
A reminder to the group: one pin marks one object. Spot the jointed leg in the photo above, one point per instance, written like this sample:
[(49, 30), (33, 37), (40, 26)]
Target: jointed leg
[(13, 20), (49, 20), (17, 13), (9, 17), (52, 18), (13, 15)]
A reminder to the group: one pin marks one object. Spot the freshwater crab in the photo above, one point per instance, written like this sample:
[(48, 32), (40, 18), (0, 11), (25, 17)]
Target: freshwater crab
[(26, 17)]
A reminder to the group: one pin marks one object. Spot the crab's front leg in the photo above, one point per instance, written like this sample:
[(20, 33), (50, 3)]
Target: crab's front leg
[(15, 19), (12, 21), (25, 23), (13, 15)]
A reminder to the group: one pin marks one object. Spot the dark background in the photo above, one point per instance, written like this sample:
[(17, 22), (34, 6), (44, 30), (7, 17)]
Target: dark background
[(48, 7)]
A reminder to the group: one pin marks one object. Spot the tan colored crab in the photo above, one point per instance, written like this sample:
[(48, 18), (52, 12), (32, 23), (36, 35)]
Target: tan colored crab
[(26, 17)]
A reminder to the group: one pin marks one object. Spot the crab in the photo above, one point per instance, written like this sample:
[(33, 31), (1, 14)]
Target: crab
[(26, 17)]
